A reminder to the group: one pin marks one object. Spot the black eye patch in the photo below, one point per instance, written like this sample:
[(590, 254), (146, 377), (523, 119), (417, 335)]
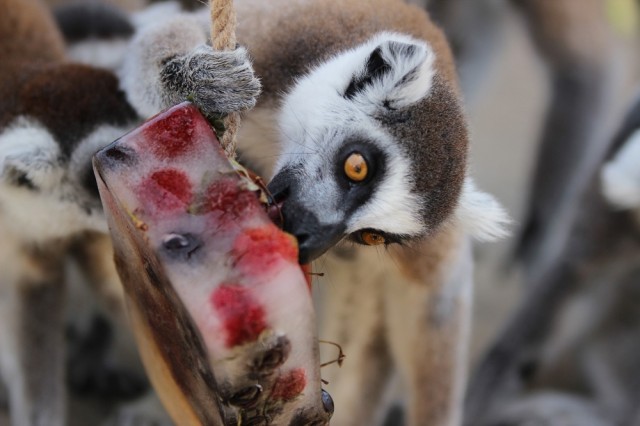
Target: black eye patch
[(355, 194)]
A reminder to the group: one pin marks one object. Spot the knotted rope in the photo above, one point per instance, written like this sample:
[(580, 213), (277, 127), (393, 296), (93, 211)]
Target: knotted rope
[(223, 37)]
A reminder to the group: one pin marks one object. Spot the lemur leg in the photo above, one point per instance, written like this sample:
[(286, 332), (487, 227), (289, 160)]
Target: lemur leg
[(574, 39), (32, 301), (352, 316), (427, 315)]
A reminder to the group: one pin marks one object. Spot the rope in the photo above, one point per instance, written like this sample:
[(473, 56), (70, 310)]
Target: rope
[(223, 37)]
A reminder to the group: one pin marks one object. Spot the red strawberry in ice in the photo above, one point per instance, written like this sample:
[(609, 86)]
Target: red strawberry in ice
[(221, 307)]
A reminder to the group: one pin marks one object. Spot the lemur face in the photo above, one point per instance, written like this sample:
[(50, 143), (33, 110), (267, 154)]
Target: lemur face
[(365, 151)]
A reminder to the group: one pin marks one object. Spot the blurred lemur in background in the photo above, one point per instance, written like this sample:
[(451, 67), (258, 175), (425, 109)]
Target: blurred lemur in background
[(583, 371), (54, 115), (365, 81), (574, 41)]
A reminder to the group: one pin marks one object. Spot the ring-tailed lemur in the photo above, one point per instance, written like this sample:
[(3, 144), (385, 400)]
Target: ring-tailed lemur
[(54, 115), (360, 112)]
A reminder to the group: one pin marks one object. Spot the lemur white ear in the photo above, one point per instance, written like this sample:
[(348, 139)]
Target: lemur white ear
[(620, 177), (480, 215), (398, 72)]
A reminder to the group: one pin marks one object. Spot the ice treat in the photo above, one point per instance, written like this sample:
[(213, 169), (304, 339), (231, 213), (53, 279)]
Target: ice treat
[(220, 306)]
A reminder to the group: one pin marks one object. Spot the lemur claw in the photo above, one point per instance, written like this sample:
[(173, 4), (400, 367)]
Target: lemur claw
[(218, 82)]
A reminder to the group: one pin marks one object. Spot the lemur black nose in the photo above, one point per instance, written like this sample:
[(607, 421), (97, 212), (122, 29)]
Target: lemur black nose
[(314, 238), (278, 190), (280, 187)]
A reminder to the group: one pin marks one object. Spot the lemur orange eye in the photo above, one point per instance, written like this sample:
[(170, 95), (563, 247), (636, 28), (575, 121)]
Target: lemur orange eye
[(372, 239), (355, 167)]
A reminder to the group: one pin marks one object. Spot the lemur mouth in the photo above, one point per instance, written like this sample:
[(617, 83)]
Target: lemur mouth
[(314, 237)]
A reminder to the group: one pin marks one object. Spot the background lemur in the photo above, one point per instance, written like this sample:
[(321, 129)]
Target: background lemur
[(574, 142), (579, 366), (54, 115), (573, 39), (374, 83)]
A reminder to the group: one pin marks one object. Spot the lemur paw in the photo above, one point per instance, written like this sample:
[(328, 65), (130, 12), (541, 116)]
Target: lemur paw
[(218, 82)]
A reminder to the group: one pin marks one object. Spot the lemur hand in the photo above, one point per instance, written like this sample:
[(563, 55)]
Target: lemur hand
[(218, 82), (169, 62)]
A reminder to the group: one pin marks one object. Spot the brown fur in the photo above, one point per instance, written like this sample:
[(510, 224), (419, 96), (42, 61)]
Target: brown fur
[(297, 39), (439, 149), (35, 81), (405, 311), (28, 33), (426, 261)]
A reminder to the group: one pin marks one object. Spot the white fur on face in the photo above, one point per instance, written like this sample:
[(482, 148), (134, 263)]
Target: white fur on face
[(58, 206), (393, 207), (620, 177), (316, 120)]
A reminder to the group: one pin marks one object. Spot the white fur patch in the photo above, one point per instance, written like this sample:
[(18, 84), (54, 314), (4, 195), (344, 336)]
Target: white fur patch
[(29, 147), (59, 206), (620, 177), (155, 13), (318, 96), (480, 215), (99, 53)]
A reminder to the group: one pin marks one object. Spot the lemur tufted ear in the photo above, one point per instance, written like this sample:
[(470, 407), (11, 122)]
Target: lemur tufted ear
[(397, 72)]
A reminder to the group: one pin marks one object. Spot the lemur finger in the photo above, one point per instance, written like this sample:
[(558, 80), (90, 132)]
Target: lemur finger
[(218, 82), (150, 51)]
